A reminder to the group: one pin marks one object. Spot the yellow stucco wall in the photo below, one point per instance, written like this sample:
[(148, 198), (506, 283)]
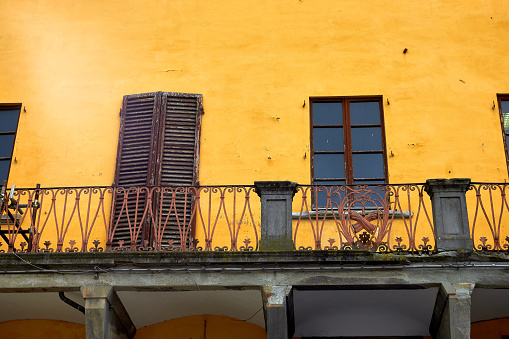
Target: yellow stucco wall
[(41, 329), (195, 327), (490, 329), (202, 327), (256, 64)]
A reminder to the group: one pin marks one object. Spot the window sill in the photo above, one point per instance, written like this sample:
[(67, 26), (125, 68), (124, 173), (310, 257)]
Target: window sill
[(330, 214)]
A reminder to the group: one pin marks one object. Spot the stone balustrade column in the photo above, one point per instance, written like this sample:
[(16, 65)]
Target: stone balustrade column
[(276, 219), (450, 216)]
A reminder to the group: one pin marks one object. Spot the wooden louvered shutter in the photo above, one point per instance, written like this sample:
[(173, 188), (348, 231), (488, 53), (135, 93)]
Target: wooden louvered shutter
[(178, 156), (136, 158), (158, 145)]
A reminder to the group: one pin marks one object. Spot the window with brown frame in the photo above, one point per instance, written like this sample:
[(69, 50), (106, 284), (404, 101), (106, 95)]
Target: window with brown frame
[(347, 142), (158, 146), (503, 107), (9, 116)]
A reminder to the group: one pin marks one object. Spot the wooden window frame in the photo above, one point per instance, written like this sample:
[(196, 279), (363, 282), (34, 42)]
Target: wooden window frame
[(347, 138), (500, 98), (4, 107)]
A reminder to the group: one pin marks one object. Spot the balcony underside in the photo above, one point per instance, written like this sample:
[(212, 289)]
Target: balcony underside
[(326, 284)]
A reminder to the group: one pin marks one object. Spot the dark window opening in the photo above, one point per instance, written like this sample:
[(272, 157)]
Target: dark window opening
[(503, 106), (347, 142), (9, 116)]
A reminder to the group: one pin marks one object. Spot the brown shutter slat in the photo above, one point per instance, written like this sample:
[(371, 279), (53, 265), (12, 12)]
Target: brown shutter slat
[(158, 145), (179, 156), (136, 159)]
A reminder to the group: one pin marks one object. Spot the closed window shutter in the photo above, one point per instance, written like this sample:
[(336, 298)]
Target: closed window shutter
[(158, 145), (179, 150), (138, 136), (179, 159), (135, 160)]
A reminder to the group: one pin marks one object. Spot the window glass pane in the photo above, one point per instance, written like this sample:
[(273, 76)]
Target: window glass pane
[(365, 113), (373, 195), (366, 139), (368, 165), (329, 182), (507, 140), (6, 142), (505, 114), (327, 113), (4, 169), (9, 118), (328, 139), (369, 182), (329, 166), (336, 193)]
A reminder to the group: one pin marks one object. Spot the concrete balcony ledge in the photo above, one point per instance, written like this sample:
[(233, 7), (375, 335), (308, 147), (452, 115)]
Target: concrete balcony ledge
[(193, 258), (191, 271), (273, 226), (48, 262)]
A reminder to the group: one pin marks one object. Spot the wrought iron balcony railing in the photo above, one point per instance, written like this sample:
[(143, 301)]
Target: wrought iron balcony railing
[(89, 219), (489, 216), (376, 217), (382, 218)]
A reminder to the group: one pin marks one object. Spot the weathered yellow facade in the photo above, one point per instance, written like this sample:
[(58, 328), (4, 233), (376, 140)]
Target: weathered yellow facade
[(438, 65), (256, 64)]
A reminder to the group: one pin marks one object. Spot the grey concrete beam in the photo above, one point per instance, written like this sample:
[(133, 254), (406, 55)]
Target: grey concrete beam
[(278, 306), (451, 315), (105, 315), (487, 276)]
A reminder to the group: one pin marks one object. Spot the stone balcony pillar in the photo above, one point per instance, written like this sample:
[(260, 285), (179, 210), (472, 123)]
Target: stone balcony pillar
[(450, 216), (451, 315), (276, 219), (105, 315), (279, 312)]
